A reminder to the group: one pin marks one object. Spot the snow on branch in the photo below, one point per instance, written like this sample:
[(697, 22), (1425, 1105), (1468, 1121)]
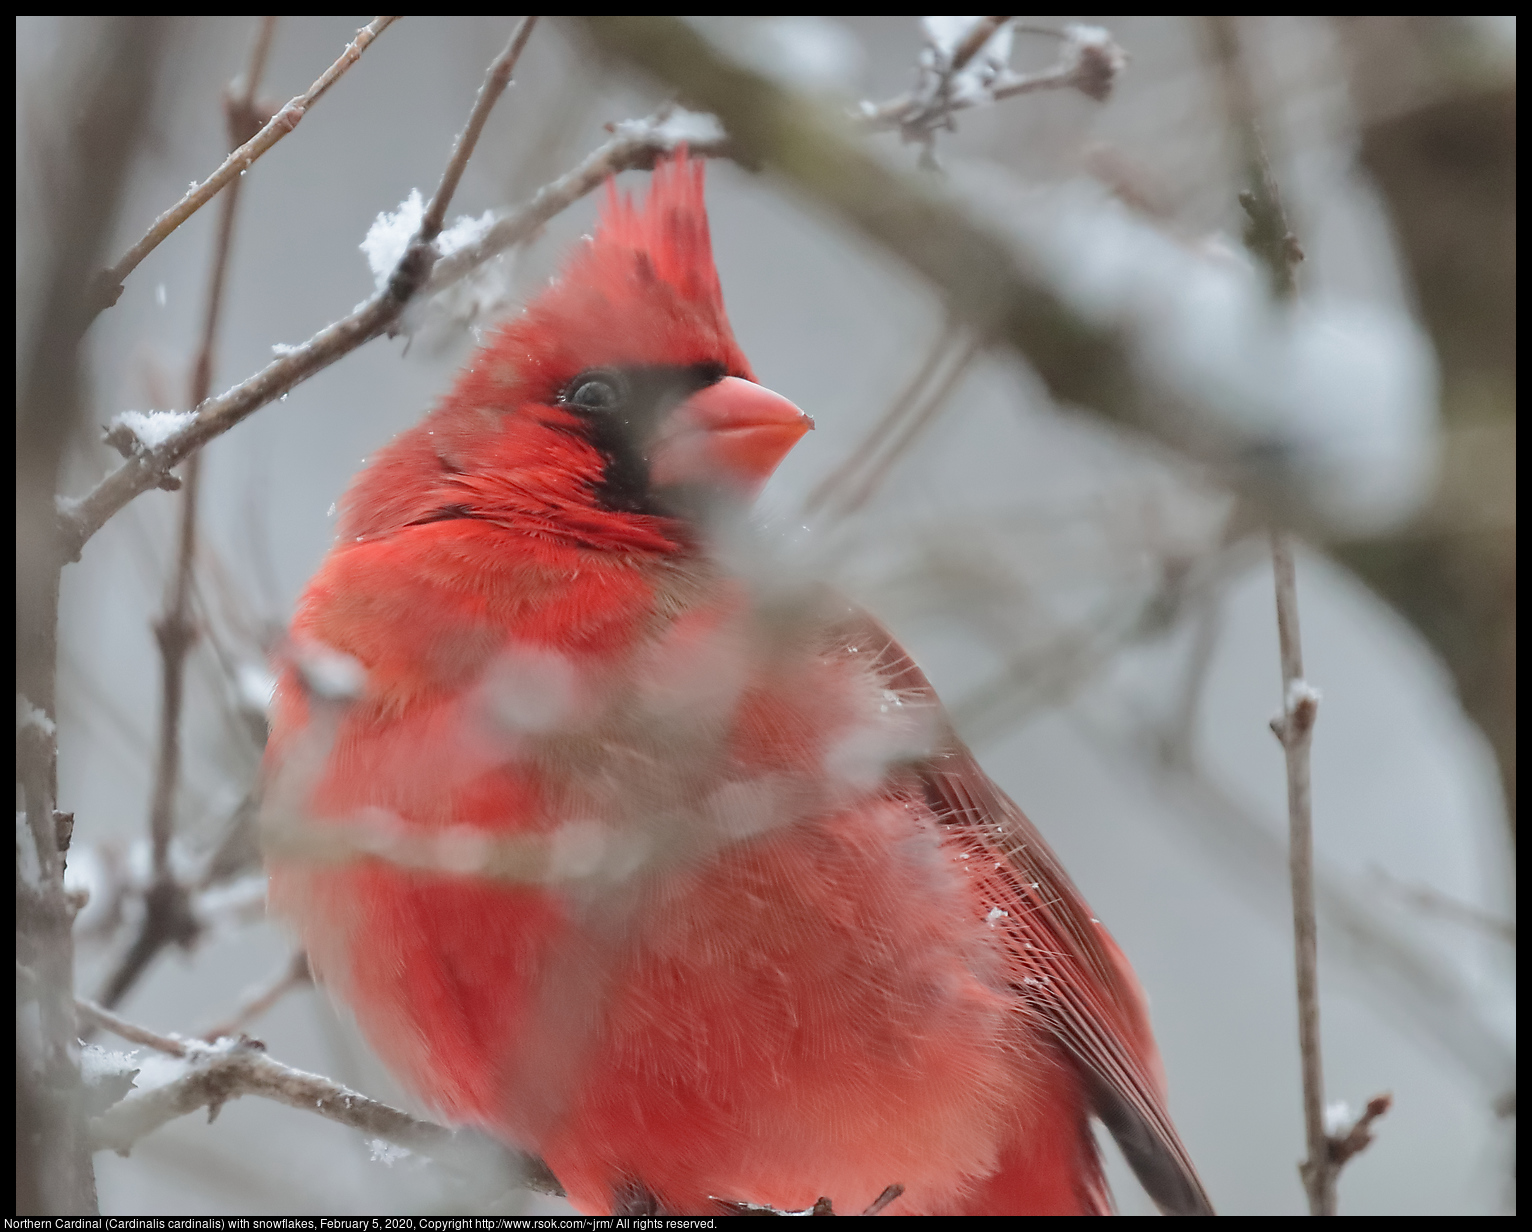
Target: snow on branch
[(187, 1075), (966, 63)]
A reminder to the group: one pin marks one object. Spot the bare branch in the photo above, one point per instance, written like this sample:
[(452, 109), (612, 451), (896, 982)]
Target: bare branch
[(1295, 730), (1425, 995), (1271, 240), (107, 286), (973, 42), (881, 1202), (495, 81)]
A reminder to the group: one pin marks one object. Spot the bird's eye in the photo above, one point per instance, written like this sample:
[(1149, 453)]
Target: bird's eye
[(595, 391)]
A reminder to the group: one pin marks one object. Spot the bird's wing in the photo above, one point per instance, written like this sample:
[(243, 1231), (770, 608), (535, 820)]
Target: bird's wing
[(1065, 965)]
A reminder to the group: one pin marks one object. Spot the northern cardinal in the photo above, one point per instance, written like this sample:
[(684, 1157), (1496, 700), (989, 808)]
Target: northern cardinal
[(707, 903)]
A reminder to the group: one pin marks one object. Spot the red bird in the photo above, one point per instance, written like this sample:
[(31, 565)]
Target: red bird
[(680, 882)]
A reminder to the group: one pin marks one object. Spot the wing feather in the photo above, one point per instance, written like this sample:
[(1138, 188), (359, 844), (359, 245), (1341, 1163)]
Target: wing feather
[(1066, 966)]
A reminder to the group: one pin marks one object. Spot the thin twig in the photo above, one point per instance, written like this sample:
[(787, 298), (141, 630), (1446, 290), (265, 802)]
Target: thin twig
[(1437, 903), (495, 81), (1270, 239), (168, 918), (1358, 1137), (1294, 728), (107, 286), (1423, 992), (294, 974), (911, 431), (901, 406), (636, 147)]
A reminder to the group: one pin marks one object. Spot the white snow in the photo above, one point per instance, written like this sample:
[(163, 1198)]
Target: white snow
[(1336, 395), (692, 127), (1340, 1116), (390, 235), (28, 715), (256, 684), (328, 673), (972, 83), (464, 232), (107, 1074), (387, 1153), (151, 428), (1300, 690), (27, 867)]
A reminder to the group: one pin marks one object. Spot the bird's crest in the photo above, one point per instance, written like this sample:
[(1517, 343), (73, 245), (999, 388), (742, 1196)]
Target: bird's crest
[(642, 290)]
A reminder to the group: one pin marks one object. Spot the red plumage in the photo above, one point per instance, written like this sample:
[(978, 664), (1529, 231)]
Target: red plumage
[(811, 949)]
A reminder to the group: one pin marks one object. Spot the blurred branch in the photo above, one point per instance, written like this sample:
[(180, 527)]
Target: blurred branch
[(898, 410), (98, 104), (823, 1206), (1439, 141), (1051, 675), (107, 285), (168, 918), (217, 1073), (292, 975), (1439, 904), (1000, 289), (1460, 593), (852, 484), (1270, 238), (917, 423), (637, 146)]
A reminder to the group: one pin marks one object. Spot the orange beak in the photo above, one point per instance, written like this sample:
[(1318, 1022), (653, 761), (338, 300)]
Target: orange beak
[(730, 435)]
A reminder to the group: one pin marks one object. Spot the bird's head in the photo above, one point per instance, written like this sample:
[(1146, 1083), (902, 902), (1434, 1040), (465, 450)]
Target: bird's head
[(615, 405)]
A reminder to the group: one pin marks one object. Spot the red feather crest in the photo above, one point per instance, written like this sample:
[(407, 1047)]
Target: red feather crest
[(644, 290)]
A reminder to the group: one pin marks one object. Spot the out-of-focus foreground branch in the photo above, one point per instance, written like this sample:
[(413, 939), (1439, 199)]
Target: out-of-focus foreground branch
[(1003, 294), (105, 93), (1439, 140)]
